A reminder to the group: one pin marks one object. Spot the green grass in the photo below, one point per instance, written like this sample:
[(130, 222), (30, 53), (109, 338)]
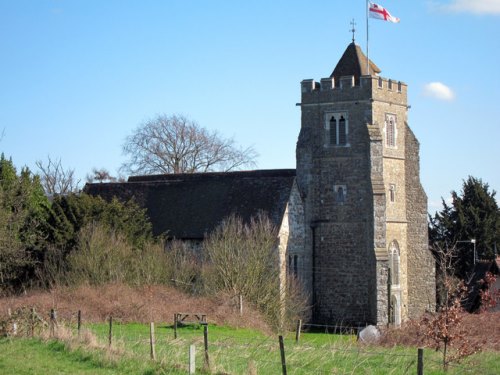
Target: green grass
[(231, 351), (25, 356)]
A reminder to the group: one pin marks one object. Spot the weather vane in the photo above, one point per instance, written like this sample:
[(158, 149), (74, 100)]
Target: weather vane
[(353, 30)]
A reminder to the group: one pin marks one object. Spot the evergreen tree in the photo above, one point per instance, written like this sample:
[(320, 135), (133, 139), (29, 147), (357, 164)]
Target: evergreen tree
[(23, 208), (72, 212), (473, 215)]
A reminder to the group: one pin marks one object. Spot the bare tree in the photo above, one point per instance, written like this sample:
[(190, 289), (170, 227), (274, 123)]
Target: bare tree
[(56, 179), (175, 144), (242, 259), (100, 175), (444, 330)]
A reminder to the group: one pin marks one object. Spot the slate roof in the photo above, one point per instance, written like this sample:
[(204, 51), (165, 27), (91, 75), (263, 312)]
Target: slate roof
[(353, 63), (188, 206)]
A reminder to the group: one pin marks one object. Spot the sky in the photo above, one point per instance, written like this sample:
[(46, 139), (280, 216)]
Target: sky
[(78, 76)]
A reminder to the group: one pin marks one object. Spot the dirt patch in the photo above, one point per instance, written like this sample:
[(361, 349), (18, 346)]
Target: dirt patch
[(134, 304)]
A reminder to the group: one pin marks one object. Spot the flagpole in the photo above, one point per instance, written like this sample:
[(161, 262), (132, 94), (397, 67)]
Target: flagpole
[(367, 55)]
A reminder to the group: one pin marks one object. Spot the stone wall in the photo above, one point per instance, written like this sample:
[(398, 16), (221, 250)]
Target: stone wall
[(297, 251), (349, 240), (341, 232), (421, 263)]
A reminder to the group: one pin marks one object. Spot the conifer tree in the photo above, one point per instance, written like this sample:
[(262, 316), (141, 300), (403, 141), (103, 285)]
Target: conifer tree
[(472, 215), (23, 210)]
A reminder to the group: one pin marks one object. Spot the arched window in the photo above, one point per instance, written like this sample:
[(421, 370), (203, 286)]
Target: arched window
[(337, 129), (392, 192), (395, 292), (394, 263), (390, 130), (342, 131), (333, 131), (380, 82), (340, 192), (293, 265)]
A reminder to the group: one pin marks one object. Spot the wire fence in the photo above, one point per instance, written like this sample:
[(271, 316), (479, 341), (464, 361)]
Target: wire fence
[(197, 346)]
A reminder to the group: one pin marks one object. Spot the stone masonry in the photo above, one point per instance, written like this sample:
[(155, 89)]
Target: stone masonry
[(364, 207)]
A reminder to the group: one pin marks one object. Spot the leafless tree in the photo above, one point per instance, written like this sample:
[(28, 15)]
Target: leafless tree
[(444, 330), (100, 175), (242, 260), (175, 144), (55, 179)]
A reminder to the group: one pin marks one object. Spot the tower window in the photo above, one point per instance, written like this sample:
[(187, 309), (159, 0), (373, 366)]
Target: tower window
[(399, 86), (392, 192), (337, 129), (394, 263), (380, 82), (342, 131), (390, 130), (293, 265), (340, 193), (395, 292)]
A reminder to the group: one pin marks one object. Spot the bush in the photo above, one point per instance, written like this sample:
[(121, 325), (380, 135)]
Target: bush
[(106, 256), (242, 259), (184, 266)]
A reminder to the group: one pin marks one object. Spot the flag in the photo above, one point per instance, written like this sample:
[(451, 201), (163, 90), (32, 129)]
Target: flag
[(379, 12)]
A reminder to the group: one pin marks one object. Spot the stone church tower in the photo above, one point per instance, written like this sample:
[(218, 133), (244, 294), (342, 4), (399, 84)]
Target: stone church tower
[(366, 258)]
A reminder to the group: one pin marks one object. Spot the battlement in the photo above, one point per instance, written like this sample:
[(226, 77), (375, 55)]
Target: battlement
[(348, 88), (348, 82)]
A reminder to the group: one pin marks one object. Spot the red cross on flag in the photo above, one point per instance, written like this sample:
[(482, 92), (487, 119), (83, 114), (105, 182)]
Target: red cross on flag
[(379, 12)]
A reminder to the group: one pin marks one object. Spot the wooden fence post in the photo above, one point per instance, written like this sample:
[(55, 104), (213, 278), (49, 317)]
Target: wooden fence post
[(420, 363), (33, 314), (297, 333), (52, 322), (192, 362), (175, 326), (110, 335), (282, 352), (241, 305), (152, 340), (205, 341), (79, 322)]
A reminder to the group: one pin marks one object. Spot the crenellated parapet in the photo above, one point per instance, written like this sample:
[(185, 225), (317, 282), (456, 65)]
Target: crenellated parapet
[(348, 88)]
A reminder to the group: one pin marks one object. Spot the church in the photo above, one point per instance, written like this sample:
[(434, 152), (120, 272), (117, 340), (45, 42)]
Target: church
[(352, 216)]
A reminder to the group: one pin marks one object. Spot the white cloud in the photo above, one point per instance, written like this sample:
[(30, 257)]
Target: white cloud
[(439, 91), (474, 6)]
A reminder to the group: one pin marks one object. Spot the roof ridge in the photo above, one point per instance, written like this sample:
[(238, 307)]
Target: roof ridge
[(261, 173)]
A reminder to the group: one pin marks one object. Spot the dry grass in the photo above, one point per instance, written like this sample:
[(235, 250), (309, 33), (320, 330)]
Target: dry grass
[(133, 304), (483, 328)]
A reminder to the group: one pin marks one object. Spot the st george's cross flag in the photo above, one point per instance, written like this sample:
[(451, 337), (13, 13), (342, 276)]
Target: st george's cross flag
[(379, 12)]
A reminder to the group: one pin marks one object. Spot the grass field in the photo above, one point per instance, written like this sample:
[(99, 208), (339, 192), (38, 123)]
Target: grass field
[(231, 351)]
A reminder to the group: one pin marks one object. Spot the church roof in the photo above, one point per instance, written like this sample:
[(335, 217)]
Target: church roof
[(353, 63), (188, 206)]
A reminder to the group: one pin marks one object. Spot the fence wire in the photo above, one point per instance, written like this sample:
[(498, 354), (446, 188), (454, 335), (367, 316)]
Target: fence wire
[(236, 352)]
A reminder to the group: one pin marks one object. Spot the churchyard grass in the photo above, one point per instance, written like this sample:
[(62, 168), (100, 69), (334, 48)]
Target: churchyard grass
[(231, 351)]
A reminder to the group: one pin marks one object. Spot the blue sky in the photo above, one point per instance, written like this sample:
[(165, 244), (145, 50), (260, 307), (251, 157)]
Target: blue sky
[(76, 77)]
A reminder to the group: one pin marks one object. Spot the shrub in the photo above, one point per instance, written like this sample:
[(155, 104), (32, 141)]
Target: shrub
[(242, 259), (104, 256)]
